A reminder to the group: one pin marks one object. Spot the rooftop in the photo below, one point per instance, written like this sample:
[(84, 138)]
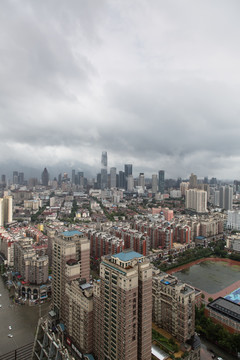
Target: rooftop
[(226, 307), (127, 256), (71, 233)]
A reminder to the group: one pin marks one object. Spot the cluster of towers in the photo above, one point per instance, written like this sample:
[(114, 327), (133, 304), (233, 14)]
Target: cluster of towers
[(110, 317), (124, 179)]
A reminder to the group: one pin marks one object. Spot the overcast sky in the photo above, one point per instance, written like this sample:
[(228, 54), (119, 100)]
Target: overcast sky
[(155, 83)]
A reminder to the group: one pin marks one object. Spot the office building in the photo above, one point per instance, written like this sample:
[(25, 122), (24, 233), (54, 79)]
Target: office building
[(21, 178), (3, 180), (15, 177), (123, 308), (161, 181), (70, 261), (174, 306), (154, 183), (196, 200), (121, 177), (45, 177), (113, 177), (128, 172)]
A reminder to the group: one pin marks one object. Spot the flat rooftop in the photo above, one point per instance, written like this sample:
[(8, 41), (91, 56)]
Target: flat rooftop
[(127, 256), (226, 307), (71, 233)]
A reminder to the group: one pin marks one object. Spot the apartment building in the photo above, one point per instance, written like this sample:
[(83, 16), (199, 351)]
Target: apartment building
[(123, 308), (70, 261), (174, 306)]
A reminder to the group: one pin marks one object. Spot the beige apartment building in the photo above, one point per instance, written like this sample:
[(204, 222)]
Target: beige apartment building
[(79, 314), (123, 308), (70, 261), (174, 306)]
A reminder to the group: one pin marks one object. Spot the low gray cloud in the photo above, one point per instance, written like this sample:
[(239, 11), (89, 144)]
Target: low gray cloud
[(153, 83)]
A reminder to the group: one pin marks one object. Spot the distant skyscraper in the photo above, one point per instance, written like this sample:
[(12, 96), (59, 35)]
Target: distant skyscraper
[(127, 171), (141, 180), (124, 308), (104, 177), (113, 177), (3, 179), (45, 177), (73, 176), (15, 177), (193, 181), (130, 183), (21, 178), (121, 184), (99, 182), (161, 181), (59, 179), (154, 183)]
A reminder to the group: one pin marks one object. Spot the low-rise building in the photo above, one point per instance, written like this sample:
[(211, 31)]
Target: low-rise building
[(224, 312)]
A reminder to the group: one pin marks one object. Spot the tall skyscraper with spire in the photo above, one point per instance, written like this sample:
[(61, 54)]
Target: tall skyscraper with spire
[(104, 176)]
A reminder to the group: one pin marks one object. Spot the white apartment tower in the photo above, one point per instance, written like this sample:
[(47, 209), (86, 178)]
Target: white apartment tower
[(5, 210), (196, 200)]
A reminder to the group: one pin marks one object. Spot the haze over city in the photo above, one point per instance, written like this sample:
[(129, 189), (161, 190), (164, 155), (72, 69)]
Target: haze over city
[(155, 84)]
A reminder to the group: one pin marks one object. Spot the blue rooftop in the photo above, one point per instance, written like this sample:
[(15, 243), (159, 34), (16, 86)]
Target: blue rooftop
[(127, 256), (89, 356), (71, 233)]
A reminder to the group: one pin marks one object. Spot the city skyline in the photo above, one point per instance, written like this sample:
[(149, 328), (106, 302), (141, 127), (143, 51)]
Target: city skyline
[(151, 83)]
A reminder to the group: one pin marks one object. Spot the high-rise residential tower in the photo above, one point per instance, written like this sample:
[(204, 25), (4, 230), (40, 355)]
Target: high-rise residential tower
[(196, 200), (161, 181), (123, 300), (193, 181), (154, 183), (226, 197), (70, 261)]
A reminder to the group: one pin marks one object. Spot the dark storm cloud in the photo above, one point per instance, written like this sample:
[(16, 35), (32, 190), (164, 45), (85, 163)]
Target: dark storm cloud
[(154, 83)]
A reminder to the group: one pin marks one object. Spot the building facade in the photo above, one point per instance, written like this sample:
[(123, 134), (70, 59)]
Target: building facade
[(124, 308), (174, 306)]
